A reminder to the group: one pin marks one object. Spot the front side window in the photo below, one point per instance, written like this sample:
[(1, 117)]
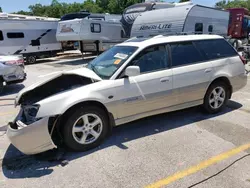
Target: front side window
[(1, 35), (214, 49), (15, 35), (184, 53), (111, 60), (152, 59), (199, 27)]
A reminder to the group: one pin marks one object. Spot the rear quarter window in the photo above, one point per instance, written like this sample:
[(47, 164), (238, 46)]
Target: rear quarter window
[(215, 49)]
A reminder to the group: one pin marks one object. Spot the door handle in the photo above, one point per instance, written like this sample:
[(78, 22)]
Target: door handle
[(208, 70), (165, 80)]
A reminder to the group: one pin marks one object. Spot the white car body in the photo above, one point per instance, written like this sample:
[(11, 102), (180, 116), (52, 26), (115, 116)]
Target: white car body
[(127, 99)]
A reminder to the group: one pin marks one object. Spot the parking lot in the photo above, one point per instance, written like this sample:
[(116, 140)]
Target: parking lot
[(187, 148)]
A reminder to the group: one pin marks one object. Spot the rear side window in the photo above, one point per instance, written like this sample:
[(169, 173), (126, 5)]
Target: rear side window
[(15, 35), (1, 35), (214, 49), (184, 53)]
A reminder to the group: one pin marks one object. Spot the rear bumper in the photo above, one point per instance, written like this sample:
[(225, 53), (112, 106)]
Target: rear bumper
[(30, 139), (17, 81), (239, 82)]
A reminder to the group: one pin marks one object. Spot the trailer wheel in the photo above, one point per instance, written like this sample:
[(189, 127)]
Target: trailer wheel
[(31, 59), (1, 86)]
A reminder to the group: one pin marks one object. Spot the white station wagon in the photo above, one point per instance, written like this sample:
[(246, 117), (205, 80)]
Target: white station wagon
[(138, 78)]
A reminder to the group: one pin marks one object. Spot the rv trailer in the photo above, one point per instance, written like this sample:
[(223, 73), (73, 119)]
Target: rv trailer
[(94, 32), (30, 36), (181, 19), (130, 13)]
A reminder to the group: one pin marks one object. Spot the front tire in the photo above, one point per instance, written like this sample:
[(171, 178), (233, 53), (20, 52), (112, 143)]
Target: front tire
[(86, 128), (216, 97)]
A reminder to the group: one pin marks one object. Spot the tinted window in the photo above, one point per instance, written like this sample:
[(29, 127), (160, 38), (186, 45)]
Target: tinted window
[(151, 59), (1, 35), (214, 49), (95, 27), (184, 53), (15, 35), (199, 27), (210, 29)]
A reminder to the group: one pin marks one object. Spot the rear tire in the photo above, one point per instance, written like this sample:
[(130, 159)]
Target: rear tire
[(86, 128), (31, 59), (216, 97)]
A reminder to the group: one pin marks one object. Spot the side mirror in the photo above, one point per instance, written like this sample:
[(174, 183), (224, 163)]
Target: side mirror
[(132, 71)]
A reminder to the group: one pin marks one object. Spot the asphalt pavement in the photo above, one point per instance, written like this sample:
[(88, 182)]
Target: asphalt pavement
[(186, 148)]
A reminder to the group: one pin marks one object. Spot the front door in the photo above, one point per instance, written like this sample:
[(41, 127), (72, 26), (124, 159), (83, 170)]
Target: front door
[(152, 89)]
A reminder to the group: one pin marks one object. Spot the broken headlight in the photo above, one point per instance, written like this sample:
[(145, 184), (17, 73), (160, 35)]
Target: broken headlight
[(30, 112)]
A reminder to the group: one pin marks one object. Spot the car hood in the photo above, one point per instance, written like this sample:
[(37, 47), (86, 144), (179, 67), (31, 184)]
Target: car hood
[(82, 72)]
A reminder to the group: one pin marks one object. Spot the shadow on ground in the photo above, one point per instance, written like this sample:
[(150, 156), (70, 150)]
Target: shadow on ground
[(16, 165), (11, 89)]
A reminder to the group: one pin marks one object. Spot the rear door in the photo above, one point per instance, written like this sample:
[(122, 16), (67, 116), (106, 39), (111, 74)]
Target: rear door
[(191, 72), (223, 57)]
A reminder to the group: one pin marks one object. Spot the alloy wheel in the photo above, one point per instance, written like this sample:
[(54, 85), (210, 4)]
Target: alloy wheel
[(87, 129), (217, 97)]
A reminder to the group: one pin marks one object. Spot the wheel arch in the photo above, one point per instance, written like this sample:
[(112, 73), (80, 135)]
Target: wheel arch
[(225, 80), (57, 122), (88, 103)]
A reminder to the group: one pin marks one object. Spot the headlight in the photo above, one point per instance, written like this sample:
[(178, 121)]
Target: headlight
[(30, 112)]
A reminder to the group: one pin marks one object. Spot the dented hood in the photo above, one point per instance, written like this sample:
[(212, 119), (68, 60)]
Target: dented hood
[(84, 72)]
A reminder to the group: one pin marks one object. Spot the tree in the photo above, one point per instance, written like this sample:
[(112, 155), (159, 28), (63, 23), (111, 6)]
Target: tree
[(221, 4), (1, 9), (233, 4), (57, 9)]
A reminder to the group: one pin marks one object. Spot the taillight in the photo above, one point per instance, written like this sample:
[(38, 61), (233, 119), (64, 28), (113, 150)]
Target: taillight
[(244, 61)]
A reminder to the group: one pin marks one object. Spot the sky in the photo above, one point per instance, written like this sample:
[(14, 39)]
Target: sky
[(16, 5)]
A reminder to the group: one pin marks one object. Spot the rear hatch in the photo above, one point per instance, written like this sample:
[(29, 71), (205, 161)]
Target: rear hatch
[(69, 30)]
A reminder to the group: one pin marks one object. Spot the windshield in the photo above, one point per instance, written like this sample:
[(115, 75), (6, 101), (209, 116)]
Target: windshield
[(107, 63)]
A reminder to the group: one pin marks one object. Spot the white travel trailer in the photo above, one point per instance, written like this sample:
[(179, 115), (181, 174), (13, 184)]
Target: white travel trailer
[(181, 19), (30, 36), (94, 32), (130, 13)]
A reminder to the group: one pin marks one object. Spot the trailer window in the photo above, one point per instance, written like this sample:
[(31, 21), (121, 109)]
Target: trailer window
[(1, 35), (95, 27), (15, 35), (199, 27), (35, 42), (210, 28), (215, 49)]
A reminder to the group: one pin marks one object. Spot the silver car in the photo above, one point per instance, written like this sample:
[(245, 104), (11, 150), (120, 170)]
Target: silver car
[(11, 70), (135, 79)]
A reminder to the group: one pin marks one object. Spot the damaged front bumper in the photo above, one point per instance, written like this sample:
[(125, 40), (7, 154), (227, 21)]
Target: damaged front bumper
[(30, 139)]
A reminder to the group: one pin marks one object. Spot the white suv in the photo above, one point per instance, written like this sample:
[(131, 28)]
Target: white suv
[(138, 78)]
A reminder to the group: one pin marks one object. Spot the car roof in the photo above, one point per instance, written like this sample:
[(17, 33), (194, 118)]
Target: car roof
[(144, 42)]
